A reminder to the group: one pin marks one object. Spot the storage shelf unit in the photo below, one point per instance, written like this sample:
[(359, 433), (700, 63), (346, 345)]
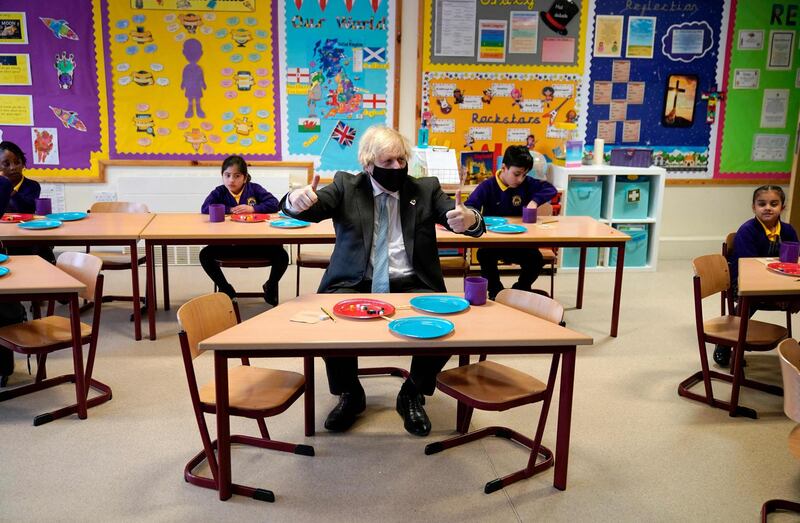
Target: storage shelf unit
[(562, 177)]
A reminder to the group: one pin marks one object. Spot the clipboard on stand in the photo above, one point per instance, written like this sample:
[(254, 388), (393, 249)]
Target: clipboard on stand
[(439, 162)]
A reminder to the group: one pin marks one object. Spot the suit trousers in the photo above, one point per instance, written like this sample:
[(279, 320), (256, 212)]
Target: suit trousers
[(343, 371)]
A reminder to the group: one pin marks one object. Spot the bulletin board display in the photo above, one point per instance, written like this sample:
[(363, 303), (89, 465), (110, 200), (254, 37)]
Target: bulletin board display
[(651, 65), (500, 35), (473, 110), (337, 77), (192, 79), (762, 81), (52, 100)]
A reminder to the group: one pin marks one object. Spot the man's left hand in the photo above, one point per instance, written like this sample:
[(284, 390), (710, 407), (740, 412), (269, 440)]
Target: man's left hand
[(461, 218)]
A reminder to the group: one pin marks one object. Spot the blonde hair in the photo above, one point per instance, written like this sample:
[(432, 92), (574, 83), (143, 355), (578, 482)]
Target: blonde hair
[(378, 140)]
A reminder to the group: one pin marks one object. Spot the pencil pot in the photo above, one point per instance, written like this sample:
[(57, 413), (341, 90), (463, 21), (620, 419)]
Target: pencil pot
[(585, 198), (631, 198), (635, 248), (572, 257)]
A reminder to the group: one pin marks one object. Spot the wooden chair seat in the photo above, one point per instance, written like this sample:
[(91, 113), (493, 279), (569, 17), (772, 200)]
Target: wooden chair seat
[(489, 385), (44, 332), (760, 335), (454, 265), (257, 389), (117, 261), (314, 260), (549, 255), (245, 263)]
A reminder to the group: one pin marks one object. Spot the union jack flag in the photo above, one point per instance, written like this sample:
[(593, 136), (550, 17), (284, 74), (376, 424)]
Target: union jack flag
[(344, 134)]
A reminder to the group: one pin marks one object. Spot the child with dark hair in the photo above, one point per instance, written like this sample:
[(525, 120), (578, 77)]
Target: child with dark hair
[(506, 194), (10, 312), (242, 196), (760, 236)]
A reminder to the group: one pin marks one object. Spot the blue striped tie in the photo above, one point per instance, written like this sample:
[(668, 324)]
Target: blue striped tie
[(380, 251)]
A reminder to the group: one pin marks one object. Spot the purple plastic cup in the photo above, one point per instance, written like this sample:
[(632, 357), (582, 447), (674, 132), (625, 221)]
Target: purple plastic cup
[(475, 290), (44, 206), (789, 252), (529, 215), (216, 212)]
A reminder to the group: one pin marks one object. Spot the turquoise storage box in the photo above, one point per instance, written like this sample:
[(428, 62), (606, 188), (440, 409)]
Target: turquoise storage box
[(635, 248), (584, 198), (631, 198), (572, 257)]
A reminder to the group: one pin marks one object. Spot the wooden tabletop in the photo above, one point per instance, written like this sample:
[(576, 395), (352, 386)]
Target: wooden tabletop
[(548, 229), (96, 226), (756, 280), (195, 226), (33, 275), (273, 331)]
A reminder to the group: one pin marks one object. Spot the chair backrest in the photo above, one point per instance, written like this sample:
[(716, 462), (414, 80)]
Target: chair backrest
[(545, 209), (204, 316), (532, 303), (789, 354), (727, 247), (712, 269), (83, 267), (129, 207)]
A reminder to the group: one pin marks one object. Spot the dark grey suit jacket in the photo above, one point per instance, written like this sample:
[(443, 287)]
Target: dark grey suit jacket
[(349, 201)]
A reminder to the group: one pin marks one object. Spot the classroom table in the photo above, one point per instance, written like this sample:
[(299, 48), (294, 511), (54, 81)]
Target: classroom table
[(118, 229), (557, 231), (195, 229), (272, 335), (755, 281), (33, 277)]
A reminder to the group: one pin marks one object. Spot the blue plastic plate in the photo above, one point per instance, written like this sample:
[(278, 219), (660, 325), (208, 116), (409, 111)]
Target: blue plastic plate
[(440, 304), (67, 216), (494, 220), (289, 223), (507, 228), (4, 271), (40, 224), (3, 258), (422, 327)]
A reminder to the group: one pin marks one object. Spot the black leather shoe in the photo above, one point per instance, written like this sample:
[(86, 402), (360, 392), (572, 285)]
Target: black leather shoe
[(344, 414), (415, 420), (722, 356), (270, 293)]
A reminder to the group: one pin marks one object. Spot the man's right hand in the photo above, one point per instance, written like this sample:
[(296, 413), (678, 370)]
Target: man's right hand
[(305, 198)]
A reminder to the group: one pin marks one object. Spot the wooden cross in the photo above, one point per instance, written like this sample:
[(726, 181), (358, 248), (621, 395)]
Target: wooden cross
[(714, 97)]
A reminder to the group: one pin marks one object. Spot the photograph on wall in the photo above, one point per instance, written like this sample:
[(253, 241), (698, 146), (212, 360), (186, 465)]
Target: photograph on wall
[(679, 101), (608, 36), (337, 79), (13, 28), (641, 36)]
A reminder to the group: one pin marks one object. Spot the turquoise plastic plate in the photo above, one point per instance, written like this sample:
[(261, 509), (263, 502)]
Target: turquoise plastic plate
[(507, 228), (40, 224), (422, 327), (439, 304), (4, 271), (3, 258), (67, 216), (494, 220), (289, 223)]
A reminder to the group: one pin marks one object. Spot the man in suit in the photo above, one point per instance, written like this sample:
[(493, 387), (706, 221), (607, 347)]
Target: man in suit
[(385, 224)]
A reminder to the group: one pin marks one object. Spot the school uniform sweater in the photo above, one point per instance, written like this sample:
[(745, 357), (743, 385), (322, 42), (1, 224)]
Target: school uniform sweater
[(493, 198), (24, 200), (752, 242), (252, 194)]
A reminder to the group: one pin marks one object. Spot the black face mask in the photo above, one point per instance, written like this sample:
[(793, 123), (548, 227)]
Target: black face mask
[(390, 179)]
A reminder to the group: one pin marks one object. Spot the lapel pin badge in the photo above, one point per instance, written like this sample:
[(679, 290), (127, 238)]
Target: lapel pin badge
[(413, 202)]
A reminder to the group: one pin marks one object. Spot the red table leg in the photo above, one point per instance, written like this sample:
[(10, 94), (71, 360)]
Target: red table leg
[(223, 426), (77, 354), (581, 278), (137, 306), (151, 288), (165, 275), (564, 418), (617, 289)]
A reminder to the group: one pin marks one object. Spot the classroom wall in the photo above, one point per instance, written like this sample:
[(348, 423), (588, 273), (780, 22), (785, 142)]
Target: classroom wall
[(695, 218)]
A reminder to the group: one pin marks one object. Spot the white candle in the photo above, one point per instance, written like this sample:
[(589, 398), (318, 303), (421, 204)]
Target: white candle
[(597, 159)]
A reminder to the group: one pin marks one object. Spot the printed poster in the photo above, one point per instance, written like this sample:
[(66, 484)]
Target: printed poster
[(750, 40), (770, 147), (607, 131), (621, 71), (781, 50), (242, 6), (602, 93), (746, 78), (13, 28), (492, 41), (608, 36), (631, 130), (635, 93), (15, 69), (16, 109), (524, 32), (44, 144), (455, 34), (641, 35), (774, 107)]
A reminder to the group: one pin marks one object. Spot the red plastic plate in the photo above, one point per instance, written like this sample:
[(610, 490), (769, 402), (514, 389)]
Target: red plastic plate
[(363, 308), (791, 269), (11, 217), (249, 218)]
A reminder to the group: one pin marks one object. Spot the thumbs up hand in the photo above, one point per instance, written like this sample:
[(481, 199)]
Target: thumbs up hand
[(460, 218), (304, 198)]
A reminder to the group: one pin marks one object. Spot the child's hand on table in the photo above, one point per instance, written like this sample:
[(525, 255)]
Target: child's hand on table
[(243, 209)]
